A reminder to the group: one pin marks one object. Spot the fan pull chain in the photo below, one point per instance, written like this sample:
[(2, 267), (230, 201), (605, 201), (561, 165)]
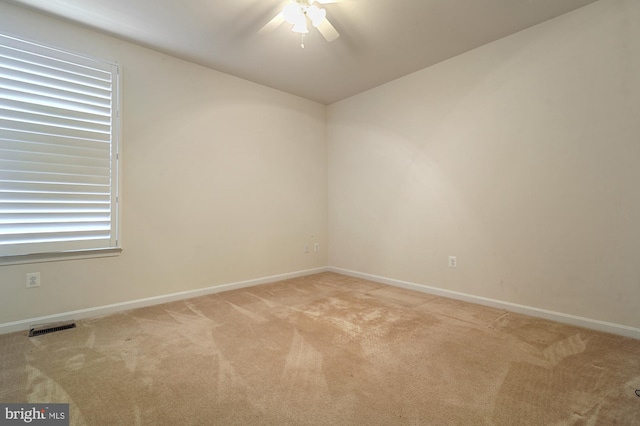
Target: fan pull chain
[(302, 40)]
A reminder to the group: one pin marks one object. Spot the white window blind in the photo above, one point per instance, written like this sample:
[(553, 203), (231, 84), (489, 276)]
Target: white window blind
[(58, 151)]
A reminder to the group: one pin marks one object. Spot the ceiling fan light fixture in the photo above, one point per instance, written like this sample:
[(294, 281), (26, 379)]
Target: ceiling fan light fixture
[(300, 27), (292, 13), (317, 15), (296, 13)]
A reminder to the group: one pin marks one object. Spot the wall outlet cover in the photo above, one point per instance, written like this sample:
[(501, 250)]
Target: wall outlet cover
[(33, 279)]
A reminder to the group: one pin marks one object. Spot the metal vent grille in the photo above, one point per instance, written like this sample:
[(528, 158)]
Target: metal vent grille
[(50, 328)]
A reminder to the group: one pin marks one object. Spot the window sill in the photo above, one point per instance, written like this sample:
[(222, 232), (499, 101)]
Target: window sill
[(59, 257)]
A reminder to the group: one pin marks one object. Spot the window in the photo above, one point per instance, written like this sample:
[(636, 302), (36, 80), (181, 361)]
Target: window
[(58, 152)]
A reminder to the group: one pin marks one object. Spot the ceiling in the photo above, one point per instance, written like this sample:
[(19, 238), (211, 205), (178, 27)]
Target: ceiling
[(380, 40)]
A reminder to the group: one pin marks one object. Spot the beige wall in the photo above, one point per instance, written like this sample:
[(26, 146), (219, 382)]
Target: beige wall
[(522, 158), (223, 181)]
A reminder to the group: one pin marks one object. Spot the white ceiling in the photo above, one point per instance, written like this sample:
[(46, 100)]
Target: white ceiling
[(380, 40)]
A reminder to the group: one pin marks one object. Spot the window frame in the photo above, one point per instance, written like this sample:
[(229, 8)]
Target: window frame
[(115, 246)]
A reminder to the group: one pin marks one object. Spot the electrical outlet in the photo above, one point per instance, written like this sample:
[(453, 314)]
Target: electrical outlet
[(33, 279), (316, 247), (306, 248), (453, 262)]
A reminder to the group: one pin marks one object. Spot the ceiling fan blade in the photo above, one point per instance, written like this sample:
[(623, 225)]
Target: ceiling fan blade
[(272, 24), (328, 31)]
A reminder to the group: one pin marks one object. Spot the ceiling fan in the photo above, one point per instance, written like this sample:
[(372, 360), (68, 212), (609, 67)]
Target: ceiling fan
[(298, 13)]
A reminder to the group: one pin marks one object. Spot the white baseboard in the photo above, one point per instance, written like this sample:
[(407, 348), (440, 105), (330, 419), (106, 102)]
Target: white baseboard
[(140, 303), (99, 311), (592, 324)]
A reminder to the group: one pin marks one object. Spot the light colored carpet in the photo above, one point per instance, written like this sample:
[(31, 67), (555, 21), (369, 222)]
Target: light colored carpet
[(325, 350)]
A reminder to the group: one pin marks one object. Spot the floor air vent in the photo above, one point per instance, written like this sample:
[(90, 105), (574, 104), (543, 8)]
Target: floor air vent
[(50, 328)]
